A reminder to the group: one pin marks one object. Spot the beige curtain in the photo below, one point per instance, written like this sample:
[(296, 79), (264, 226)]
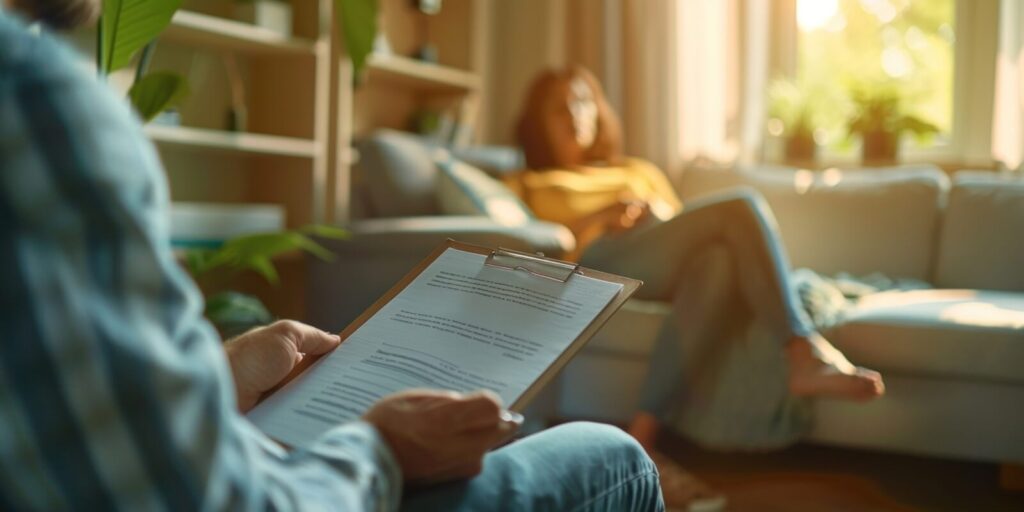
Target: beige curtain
[(687, 76), (1008, 118)]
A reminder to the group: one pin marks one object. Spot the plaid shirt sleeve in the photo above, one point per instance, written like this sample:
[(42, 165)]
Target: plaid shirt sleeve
[(114, 391)]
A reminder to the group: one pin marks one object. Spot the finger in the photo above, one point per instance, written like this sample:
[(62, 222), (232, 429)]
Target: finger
[(476, 410), (313, 341), (426, 395)]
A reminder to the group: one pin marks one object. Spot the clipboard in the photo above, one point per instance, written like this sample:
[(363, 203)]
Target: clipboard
[(535, 265)]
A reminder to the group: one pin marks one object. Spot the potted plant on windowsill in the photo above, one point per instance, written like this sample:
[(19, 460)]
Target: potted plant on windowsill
[(792, 115), (880, 118)]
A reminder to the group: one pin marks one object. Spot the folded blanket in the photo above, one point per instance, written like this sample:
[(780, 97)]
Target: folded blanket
[(827, 299)]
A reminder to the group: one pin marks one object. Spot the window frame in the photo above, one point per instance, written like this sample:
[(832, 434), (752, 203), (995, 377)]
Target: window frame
[(976, 25)]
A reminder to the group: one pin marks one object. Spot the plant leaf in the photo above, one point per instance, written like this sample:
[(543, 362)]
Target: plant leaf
[(234, 313), (309, 245), (128, 25), (157, 92), (264, 267), (325, 231), (357, 20), (197, 260)]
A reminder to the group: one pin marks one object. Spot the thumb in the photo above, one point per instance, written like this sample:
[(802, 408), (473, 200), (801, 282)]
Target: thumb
[(313, 341)]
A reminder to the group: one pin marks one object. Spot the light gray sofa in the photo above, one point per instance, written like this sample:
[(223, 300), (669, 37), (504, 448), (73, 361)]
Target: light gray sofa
[(952, 357)]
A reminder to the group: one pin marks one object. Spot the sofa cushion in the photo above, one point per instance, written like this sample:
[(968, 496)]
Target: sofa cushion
[(462, 189), (982, 240), (861, 222), (949, 333), (399, 174)]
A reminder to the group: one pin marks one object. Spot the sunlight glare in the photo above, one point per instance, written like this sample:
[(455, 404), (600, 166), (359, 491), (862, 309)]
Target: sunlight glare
[(815, 14)]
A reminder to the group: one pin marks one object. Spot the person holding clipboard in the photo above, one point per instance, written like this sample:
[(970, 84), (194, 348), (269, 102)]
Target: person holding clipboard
[(116, 394)]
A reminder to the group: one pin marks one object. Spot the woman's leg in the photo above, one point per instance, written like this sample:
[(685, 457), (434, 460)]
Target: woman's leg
[(742, 222), (573, 467)]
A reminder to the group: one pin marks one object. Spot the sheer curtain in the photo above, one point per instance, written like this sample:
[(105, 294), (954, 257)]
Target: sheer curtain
[(688, 77), (1008, 118)]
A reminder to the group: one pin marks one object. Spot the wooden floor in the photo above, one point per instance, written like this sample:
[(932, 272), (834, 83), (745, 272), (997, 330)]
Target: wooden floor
[(819, 478)]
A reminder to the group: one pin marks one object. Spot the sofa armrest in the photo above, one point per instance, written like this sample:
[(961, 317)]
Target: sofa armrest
[(382, 251)]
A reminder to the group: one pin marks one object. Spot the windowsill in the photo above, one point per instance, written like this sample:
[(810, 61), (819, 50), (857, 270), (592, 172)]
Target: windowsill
[(948, 164)]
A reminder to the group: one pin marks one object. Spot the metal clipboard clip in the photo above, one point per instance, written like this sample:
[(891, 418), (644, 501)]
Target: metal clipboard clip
[(535, 264)]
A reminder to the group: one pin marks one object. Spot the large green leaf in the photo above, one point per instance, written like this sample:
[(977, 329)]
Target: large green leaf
[(357, 20), (234, 313), (157, 92), (128, 25), (256, 252)]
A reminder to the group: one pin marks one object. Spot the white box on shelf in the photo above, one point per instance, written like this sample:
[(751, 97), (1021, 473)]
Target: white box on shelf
[(209, 224), (274, 15)]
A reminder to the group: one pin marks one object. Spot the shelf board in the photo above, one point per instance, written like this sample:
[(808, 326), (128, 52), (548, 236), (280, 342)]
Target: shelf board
[(197, 29), (421, 76), (251, 143)]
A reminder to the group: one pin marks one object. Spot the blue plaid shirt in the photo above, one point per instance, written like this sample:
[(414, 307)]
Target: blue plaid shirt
[(114, 391)]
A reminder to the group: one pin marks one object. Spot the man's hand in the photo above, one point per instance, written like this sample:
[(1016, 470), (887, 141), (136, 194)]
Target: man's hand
[(261, 358), (440, 435)]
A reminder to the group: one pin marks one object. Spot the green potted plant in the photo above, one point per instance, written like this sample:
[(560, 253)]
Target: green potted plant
[(792, 115), (230, 311), (880, 118), (125, 28)]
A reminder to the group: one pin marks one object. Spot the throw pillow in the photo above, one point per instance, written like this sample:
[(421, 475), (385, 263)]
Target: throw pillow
[(465, 190)]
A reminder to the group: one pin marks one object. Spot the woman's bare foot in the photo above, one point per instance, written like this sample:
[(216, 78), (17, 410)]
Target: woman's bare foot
[(816, 368), (684, 491)]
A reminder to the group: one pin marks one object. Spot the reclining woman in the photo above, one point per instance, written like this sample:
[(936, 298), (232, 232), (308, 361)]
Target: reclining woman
[(738, 359)]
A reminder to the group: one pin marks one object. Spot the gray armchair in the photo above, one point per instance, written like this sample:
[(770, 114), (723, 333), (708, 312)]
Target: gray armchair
[(398, 221)]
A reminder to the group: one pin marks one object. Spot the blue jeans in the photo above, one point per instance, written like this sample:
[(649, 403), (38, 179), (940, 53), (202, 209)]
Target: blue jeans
[(572, 467)]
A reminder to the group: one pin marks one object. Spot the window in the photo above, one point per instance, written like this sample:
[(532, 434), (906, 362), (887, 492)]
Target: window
[(904, 46)]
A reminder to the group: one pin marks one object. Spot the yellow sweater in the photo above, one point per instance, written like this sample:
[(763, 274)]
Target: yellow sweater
[(567, 196)]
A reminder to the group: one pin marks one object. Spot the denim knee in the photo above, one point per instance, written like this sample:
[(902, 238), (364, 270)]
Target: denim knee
[(616, 452)]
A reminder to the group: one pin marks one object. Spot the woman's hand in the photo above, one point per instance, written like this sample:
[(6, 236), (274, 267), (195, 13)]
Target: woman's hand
[(261, 358)]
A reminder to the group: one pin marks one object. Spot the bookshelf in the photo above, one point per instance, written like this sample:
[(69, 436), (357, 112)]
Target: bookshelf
[(255, 128), (301, 109)]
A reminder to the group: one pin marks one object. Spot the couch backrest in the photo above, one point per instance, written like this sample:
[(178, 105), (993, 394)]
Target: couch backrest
[(397, 173), (861, 222), (982, 239)]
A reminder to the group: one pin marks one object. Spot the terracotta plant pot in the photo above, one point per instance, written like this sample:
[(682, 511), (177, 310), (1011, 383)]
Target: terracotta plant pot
[(801, 148), (879, 147)]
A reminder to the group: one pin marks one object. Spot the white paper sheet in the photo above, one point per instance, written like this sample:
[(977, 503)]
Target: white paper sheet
[(459, 325)]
